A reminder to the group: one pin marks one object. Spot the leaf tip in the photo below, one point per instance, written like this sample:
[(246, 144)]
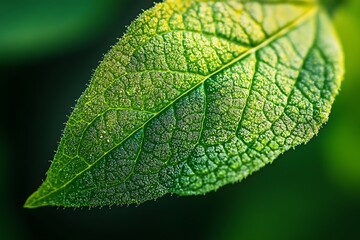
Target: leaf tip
[(32, 202), (39, 198)]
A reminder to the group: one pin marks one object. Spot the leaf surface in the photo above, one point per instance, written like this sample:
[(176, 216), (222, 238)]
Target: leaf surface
[(196, 95)]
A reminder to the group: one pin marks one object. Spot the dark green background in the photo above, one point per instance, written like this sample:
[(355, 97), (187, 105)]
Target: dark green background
[(48, 51)]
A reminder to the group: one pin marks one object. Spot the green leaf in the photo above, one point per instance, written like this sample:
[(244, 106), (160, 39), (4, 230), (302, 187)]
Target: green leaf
[(196, 95)]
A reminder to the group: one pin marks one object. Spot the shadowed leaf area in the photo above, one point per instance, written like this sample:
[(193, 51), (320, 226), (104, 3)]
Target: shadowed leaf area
[(196, 95)]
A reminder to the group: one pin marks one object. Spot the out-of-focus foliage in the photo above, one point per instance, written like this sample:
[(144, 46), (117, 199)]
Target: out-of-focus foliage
[(31, 28), (341, 146)]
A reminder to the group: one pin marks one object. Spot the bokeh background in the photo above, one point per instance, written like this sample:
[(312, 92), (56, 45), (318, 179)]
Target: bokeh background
[(48, 51)]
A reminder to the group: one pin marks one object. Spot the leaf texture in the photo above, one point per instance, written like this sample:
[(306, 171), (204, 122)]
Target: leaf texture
[(196, 95)]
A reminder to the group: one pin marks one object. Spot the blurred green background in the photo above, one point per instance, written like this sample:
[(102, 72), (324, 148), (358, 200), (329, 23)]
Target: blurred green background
[(48, 51)]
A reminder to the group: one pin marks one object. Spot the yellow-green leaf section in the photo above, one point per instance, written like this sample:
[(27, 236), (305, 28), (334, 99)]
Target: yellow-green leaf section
[(195, 95)]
